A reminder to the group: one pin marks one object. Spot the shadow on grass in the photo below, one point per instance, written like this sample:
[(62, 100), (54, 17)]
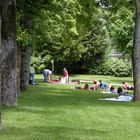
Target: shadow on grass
[(50, 132), (48, 96)]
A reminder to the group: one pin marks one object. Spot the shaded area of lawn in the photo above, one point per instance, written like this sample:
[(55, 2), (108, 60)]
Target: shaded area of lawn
[(57, 112)]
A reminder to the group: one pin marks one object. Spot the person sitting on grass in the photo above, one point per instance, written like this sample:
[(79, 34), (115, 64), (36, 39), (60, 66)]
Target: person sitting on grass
[(123, 95), (121, 92)]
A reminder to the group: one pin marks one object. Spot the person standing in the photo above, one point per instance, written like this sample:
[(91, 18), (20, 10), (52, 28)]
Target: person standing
[(66, 75), (32, 74), (47, 75)]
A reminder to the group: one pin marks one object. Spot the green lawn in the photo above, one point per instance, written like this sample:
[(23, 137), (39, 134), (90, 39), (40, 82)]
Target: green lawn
[(57, 112)]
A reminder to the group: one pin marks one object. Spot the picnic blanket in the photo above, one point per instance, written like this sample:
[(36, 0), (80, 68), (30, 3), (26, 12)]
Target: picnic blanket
[(62, 81), (120, 98), (108, 92)]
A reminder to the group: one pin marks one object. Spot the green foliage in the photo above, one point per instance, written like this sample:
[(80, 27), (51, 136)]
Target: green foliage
[(41, 63), (113, 67), (77, 31), (58, 31), (23, 36), (121, 27), (122, 30)]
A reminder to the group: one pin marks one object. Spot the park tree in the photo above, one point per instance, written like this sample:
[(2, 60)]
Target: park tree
[(26, 10), (0, 61), (9, 70), (136, 44), (9, 88), (75, 32), (136, 53), (57, 36), (25, 30)]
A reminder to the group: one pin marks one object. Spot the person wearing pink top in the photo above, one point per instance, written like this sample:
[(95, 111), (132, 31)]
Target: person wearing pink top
[(66, 75), (126, 86)]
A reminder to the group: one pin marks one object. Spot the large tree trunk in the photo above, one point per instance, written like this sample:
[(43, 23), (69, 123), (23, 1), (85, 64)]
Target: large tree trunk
[(10, 89), (136, 53), (0, 63), (26, 51)]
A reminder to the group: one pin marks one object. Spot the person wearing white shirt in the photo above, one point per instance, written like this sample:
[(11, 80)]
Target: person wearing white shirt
[(47, 75)]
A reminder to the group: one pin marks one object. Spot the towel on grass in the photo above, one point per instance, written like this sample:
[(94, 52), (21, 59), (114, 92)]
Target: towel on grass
[(120, 98)]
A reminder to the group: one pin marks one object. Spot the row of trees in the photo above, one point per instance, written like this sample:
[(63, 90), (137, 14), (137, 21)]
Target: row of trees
[(80, 34), (64, 30)]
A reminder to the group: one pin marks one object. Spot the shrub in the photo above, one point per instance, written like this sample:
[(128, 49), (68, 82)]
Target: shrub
[(113, 67)]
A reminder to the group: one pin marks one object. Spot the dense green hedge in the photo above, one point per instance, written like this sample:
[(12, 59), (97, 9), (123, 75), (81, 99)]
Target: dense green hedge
[(113, 67)]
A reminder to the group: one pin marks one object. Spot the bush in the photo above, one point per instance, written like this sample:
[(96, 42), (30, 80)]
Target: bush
[(113, 67), (40, 63)]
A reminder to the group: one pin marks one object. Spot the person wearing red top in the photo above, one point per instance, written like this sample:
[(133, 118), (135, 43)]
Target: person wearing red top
[(66, 75)]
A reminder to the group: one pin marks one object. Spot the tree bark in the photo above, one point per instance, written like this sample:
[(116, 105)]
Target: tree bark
[(0, 64), (25, 63), (10, 88), (136, 53), (26, 51)]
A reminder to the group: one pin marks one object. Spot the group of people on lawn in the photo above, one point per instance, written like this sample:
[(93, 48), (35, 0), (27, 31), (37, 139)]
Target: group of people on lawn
[(104, 85), (47, 74), (121, 91)]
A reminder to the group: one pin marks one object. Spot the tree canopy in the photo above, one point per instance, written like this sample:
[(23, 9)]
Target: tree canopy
[(76, 34)]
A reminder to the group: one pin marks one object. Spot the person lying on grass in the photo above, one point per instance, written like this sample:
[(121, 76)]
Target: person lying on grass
[(112, 89), (126, 86), (122, 96), (103, 85), (96, 85), (85, 87)]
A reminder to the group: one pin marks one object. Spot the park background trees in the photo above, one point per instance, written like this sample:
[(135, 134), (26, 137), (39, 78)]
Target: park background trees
[(80, 34)]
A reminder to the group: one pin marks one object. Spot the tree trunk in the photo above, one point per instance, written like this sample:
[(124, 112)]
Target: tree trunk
[(25, 63), (26, 52), (19, 67), (10, 89), (136, 53), (0, 64)]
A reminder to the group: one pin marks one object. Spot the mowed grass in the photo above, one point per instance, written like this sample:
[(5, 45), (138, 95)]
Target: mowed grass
[(57, 112)]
